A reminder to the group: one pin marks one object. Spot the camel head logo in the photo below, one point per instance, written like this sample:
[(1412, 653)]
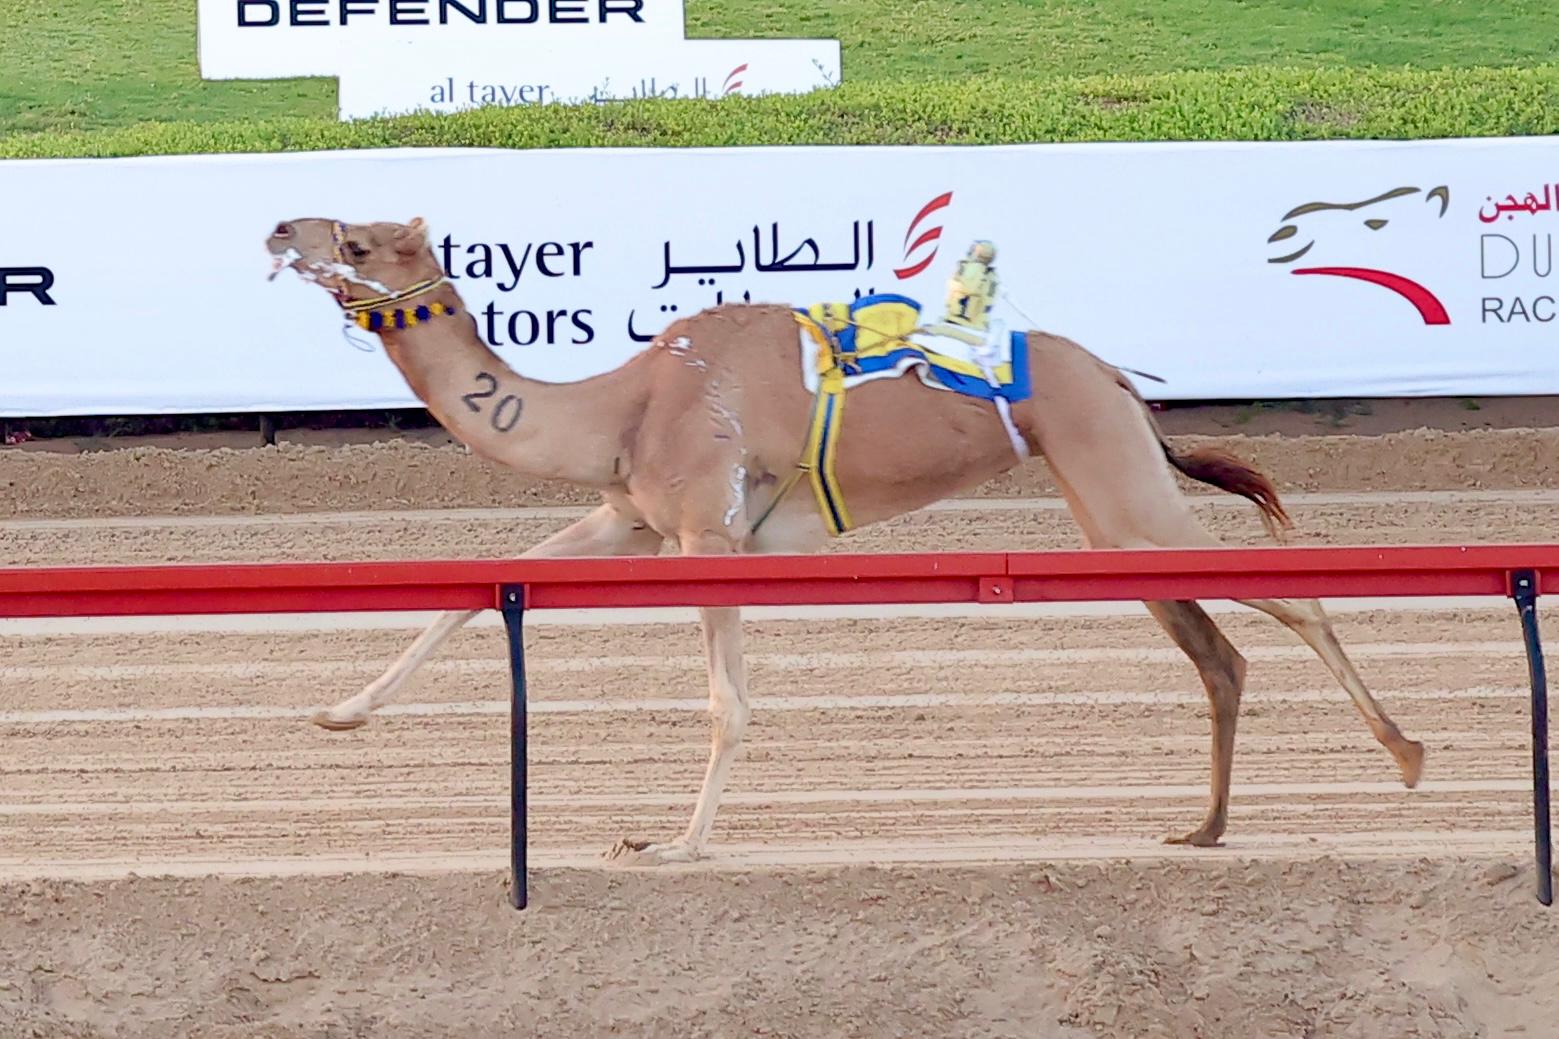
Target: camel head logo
[(1305, 225)]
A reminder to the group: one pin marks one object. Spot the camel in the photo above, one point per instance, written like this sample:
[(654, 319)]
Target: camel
[(695, 440)]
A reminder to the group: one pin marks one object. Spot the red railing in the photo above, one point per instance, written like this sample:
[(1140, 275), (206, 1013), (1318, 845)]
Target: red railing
[(1519, 572), (991, 577)]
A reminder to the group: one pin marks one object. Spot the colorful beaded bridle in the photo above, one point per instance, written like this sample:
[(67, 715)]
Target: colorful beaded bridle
[(369, 314)]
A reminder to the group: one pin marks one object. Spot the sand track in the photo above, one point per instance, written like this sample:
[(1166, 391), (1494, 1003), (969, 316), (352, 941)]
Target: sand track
[(972, 750), (184, 745)]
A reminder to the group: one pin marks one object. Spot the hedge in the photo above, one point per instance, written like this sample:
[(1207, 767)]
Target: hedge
[(1245, 104)]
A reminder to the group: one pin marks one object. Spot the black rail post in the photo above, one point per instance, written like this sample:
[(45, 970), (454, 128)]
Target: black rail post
[(513, 606), (1523, 588)]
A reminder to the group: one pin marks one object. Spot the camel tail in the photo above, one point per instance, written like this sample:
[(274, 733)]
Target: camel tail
[(1220, 469)]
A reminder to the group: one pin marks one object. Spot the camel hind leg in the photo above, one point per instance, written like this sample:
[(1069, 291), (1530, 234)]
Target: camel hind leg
[(1109, 460), (1309, 621), (1223, 674)]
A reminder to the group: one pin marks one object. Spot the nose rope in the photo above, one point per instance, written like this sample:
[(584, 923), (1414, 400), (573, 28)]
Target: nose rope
[(356, 342)]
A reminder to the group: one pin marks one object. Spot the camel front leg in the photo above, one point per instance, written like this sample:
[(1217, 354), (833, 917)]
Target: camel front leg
[(607, 531), (729, 712), (353, 712)]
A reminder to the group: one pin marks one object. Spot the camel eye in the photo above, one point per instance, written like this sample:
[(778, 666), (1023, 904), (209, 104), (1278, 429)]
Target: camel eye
[(357, 252), (1374, 225)]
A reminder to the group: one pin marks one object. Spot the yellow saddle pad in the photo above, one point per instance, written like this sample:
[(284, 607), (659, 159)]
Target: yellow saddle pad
[(880, 337)]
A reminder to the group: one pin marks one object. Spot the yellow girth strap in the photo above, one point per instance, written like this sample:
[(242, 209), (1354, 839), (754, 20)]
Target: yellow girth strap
[(822, 444)]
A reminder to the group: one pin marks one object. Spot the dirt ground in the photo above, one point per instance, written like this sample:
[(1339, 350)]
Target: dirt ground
[(944, 821), (1062, 951)]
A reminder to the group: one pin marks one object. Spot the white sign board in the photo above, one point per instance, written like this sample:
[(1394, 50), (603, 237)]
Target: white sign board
[(399, 56), (704, 69), (1323, 269)]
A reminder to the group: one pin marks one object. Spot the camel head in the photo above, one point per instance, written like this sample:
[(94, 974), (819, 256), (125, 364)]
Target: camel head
[(356, 262)]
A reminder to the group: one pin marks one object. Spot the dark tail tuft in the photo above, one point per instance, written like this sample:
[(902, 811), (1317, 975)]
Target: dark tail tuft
[(1210, 465), (1219, 468)]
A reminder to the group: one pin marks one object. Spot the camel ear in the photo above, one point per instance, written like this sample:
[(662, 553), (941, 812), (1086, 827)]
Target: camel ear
[(412, 237)]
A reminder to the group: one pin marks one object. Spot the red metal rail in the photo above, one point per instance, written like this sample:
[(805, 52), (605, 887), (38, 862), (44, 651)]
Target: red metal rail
[(1219, 573), (1520, 572)]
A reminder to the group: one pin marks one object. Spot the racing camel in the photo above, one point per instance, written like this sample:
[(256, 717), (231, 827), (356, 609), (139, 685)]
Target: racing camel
[(696, 440)]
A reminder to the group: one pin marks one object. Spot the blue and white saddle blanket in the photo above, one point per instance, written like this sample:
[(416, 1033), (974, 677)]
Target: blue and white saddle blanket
[(880, 337)]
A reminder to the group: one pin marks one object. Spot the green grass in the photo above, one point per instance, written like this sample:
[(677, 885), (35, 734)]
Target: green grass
[(90, 65), (1259, 104), (937, 39)]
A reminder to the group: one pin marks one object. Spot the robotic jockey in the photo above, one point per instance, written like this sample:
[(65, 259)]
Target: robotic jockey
[(972, 289), (970, 292)]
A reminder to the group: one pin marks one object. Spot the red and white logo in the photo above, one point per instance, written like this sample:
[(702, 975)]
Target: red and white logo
[(1398, 204), (732, 84), (927, 237)]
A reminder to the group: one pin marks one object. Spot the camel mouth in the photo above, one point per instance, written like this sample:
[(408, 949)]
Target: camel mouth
[(280, 261), (284, 246), (283, 253), (331, 274)]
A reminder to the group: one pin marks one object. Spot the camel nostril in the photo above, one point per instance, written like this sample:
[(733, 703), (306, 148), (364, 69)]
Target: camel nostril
[(282, 231)]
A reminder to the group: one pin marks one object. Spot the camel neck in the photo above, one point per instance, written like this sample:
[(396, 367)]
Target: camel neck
[(568, 431)]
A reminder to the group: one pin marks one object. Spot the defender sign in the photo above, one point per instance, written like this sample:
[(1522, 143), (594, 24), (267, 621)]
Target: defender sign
[(398, 56)]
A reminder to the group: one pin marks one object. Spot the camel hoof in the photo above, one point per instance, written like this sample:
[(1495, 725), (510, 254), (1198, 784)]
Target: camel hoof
[(629, 852), (1198, 838), (624, 848), (1411, 761), (325, 721)]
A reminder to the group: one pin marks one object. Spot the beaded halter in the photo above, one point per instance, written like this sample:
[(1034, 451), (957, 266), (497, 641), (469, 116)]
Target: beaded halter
[(370, 314)]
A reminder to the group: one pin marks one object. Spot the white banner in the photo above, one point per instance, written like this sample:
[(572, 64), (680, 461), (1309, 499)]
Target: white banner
[(1232, 271), (394, 57), (700, 69)]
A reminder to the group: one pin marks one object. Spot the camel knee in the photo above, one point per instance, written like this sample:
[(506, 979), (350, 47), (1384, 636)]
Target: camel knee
[(1222, 669), (1235, 667), (1221, 666), (1305, 617), (729, 720), (1224, 690), (1315, 627)]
